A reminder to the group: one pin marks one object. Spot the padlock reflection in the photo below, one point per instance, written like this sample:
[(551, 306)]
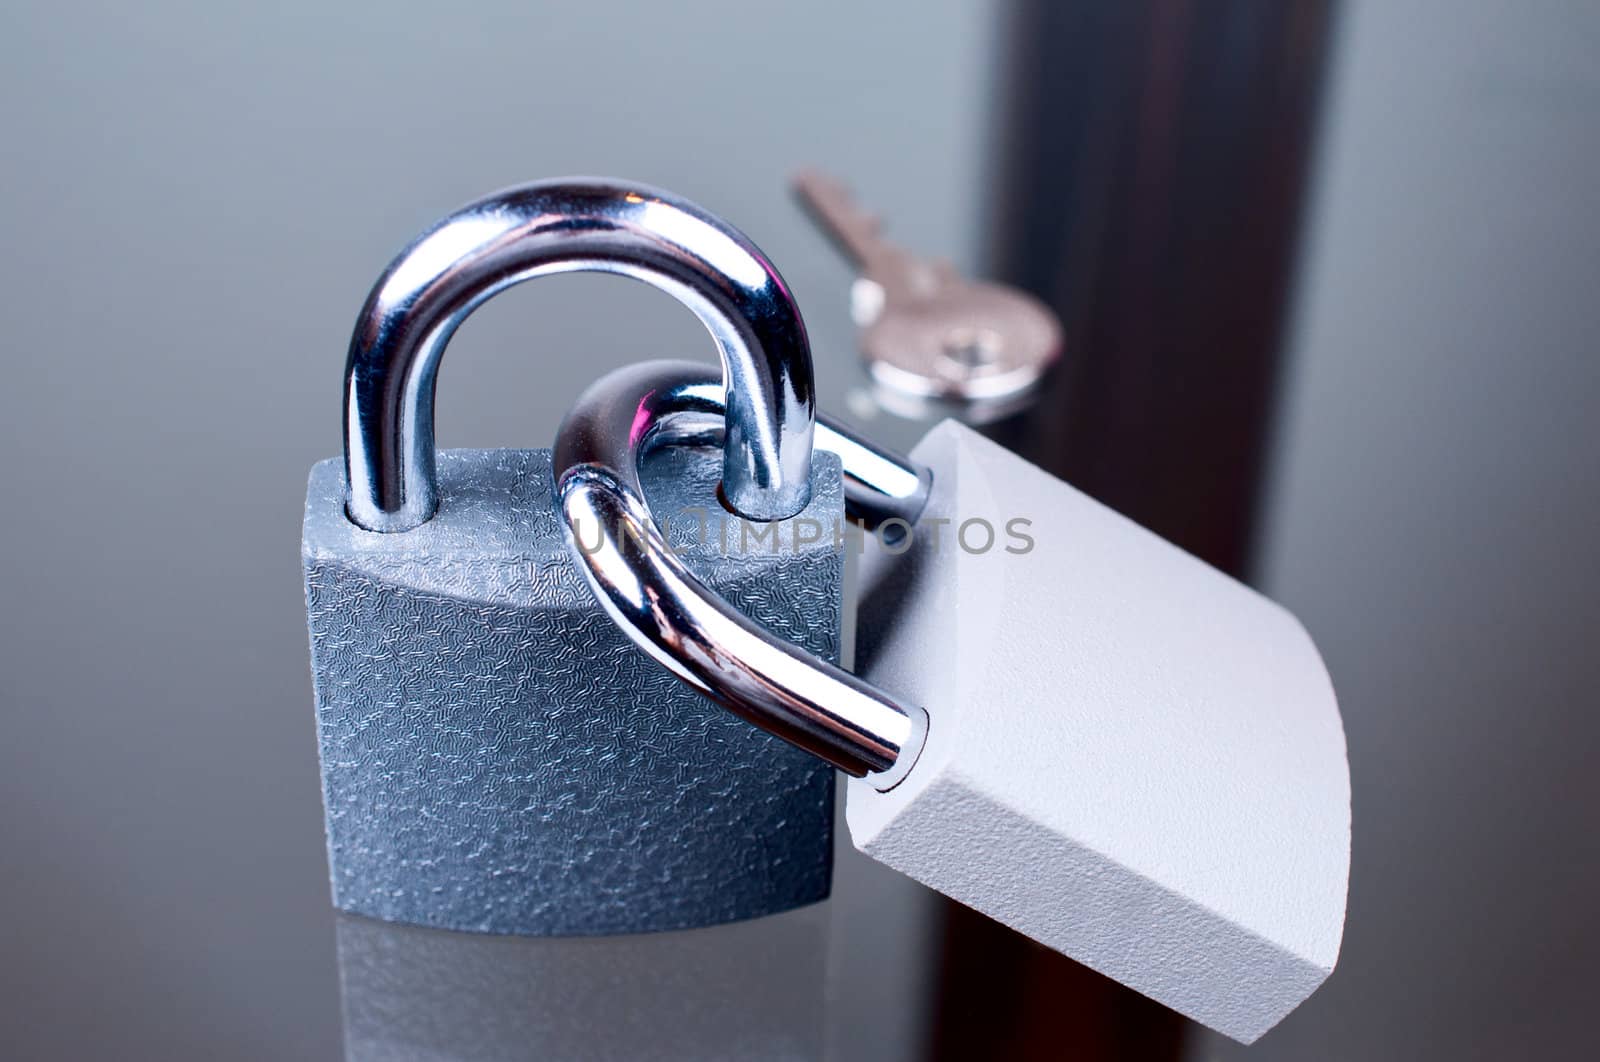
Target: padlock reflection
[(744, 990)]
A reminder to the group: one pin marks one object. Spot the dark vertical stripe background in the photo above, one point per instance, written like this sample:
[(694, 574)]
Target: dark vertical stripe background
[(1150, 188)]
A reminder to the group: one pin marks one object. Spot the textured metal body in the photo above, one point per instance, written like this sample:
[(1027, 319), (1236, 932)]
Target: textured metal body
[(1131, 758), (498, 756)]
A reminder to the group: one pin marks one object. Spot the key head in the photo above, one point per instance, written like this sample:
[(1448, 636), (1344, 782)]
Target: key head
[(927, 333), (943, 338), (1131, 758)]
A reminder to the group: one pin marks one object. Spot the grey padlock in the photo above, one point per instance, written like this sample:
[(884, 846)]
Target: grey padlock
[(496, 754)]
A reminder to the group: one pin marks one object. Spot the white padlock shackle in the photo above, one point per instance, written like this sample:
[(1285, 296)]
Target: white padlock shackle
[(682, 624), (566, 225)]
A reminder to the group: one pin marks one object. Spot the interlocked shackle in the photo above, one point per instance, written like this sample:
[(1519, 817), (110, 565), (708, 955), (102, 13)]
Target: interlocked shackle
[(680, 622), (557, 226)]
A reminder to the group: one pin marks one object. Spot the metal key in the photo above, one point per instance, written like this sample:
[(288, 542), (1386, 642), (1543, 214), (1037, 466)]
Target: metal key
[(926, 331)]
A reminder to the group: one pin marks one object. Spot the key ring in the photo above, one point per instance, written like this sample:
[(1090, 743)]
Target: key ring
[(670, 614), (555, 226)]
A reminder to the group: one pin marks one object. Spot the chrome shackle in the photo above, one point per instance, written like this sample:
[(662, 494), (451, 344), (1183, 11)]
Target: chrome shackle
[(556, 226), (761, 410), (675, 618)]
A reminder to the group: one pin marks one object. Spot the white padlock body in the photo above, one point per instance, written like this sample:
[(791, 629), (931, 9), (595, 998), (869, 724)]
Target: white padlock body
[(1131, 758)]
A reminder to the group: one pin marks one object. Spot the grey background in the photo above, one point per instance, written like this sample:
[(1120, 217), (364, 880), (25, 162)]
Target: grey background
[(1435, 522), (196, 198)]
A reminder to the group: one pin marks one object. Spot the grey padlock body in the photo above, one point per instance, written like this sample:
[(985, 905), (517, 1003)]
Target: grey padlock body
[(497, 756)]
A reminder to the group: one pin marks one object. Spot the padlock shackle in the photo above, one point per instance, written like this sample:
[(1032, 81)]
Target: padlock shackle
[(558, 226), (681, 623)]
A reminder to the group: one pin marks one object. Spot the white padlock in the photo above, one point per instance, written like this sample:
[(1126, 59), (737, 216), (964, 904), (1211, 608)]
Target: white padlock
[(1065, 722), (1131, 757)]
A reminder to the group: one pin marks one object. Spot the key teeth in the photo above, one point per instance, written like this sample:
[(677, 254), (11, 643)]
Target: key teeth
[(831, 206)]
